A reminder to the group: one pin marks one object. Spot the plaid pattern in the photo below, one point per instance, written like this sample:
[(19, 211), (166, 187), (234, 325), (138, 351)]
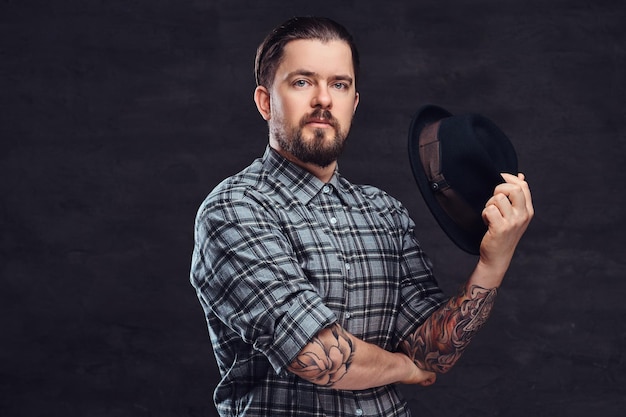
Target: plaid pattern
[(278, 256)]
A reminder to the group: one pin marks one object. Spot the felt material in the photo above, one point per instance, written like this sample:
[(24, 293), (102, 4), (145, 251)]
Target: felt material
[(459, 177)]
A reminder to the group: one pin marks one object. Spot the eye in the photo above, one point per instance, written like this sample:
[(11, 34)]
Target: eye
[(300, 83), (340, 86)]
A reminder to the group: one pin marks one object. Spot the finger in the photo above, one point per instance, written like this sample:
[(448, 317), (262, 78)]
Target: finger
[(516, 191), (520, 180), (429, 381), (492, 214), (504, 189), (527, 196), (513, 179), (515, 194)]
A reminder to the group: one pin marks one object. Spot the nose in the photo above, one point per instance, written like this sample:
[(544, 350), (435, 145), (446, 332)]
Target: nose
[(322, 97)]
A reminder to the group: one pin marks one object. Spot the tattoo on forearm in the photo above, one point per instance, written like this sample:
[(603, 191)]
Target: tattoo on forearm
[(441, 340), (326, 359)]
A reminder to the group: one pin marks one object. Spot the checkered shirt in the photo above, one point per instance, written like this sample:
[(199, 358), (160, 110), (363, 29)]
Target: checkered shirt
[(280, 255)]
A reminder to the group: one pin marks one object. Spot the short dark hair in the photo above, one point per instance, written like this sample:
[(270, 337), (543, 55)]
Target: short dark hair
[(270, 53)]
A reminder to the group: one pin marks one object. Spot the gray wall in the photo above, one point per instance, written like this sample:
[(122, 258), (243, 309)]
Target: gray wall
[(118, 117)]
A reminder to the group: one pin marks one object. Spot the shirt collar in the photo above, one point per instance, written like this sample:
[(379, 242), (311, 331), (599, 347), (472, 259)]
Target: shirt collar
[(301, 182)]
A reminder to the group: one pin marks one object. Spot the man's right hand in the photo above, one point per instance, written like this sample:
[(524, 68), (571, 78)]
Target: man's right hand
[(416, 374)]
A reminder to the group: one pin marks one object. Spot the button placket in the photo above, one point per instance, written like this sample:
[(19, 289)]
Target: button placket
[(347, 315), (328, 189)]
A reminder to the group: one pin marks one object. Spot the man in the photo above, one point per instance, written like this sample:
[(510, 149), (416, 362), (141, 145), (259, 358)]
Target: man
[(318, 297)]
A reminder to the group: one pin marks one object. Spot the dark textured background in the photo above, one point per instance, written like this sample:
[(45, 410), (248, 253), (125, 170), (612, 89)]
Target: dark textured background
[(118, 117)]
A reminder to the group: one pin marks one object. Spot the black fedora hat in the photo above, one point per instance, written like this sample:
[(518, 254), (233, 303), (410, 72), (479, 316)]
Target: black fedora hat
[(457, 161)]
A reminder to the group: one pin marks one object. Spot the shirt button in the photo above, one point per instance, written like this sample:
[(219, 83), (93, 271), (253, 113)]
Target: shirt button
[(333, 220), (348, 315), (359, 412), (347, 267), (326, 189)]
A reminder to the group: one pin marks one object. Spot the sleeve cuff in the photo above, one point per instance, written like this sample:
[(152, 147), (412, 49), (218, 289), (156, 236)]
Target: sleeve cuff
[(306, 317)]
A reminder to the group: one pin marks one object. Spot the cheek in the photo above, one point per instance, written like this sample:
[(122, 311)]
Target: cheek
[(287, 114), (289, 105), (346, 108), (345, 118)]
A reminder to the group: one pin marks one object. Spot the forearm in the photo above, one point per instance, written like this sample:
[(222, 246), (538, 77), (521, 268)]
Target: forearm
[(438, 343), (337, 359)]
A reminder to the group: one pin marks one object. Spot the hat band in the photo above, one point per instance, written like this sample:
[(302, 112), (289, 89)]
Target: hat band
[(450, 201)]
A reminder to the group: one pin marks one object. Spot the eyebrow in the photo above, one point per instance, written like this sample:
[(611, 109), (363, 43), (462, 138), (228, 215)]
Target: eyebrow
[(314, 74)]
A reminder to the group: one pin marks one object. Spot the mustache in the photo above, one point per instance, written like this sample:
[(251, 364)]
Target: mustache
[(319, 113)]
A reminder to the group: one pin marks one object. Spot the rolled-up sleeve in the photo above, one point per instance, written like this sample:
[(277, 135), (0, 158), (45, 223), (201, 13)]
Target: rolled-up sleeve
[(246, 273)]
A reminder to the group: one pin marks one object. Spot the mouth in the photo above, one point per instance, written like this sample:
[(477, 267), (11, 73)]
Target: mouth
[(319, 123), (320, 119)]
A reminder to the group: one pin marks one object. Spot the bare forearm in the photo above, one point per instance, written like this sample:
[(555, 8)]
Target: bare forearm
[(337, 359), (438, 343)]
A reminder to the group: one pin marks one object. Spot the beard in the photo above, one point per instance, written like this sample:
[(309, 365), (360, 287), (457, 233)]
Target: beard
[(318, 150)]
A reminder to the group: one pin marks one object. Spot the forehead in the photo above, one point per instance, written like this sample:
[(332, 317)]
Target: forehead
[(329, 58)]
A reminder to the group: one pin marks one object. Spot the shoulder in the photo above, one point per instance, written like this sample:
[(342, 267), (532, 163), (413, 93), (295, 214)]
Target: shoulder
[(251, 190), (372, 196)]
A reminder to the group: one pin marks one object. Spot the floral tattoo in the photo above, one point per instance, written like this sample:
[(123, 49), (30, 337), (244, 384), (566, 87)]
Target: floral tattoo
[(441, 340), (326, 359)]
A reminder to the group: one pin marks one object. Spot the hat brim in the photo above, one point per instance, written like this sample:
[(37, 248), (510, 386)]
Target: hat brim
[(467, 241)]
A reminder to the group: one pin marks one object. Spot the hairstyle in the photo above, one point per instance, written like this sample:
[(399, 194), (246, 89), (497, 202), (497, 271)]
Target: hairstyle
[(270, 53)]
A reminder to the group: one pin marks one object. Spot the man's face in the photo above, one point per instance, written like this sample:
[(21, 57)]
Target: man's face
[(312, 100)]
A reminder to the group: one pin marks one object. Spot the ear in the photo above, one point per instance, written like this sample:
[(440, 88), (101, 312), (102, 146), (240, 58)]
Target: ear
[(262, 100), (356, 102)]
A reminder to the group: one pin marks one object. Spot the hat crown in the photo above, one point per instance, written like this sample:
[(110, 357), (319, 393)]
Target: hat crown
[(474, 152)]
